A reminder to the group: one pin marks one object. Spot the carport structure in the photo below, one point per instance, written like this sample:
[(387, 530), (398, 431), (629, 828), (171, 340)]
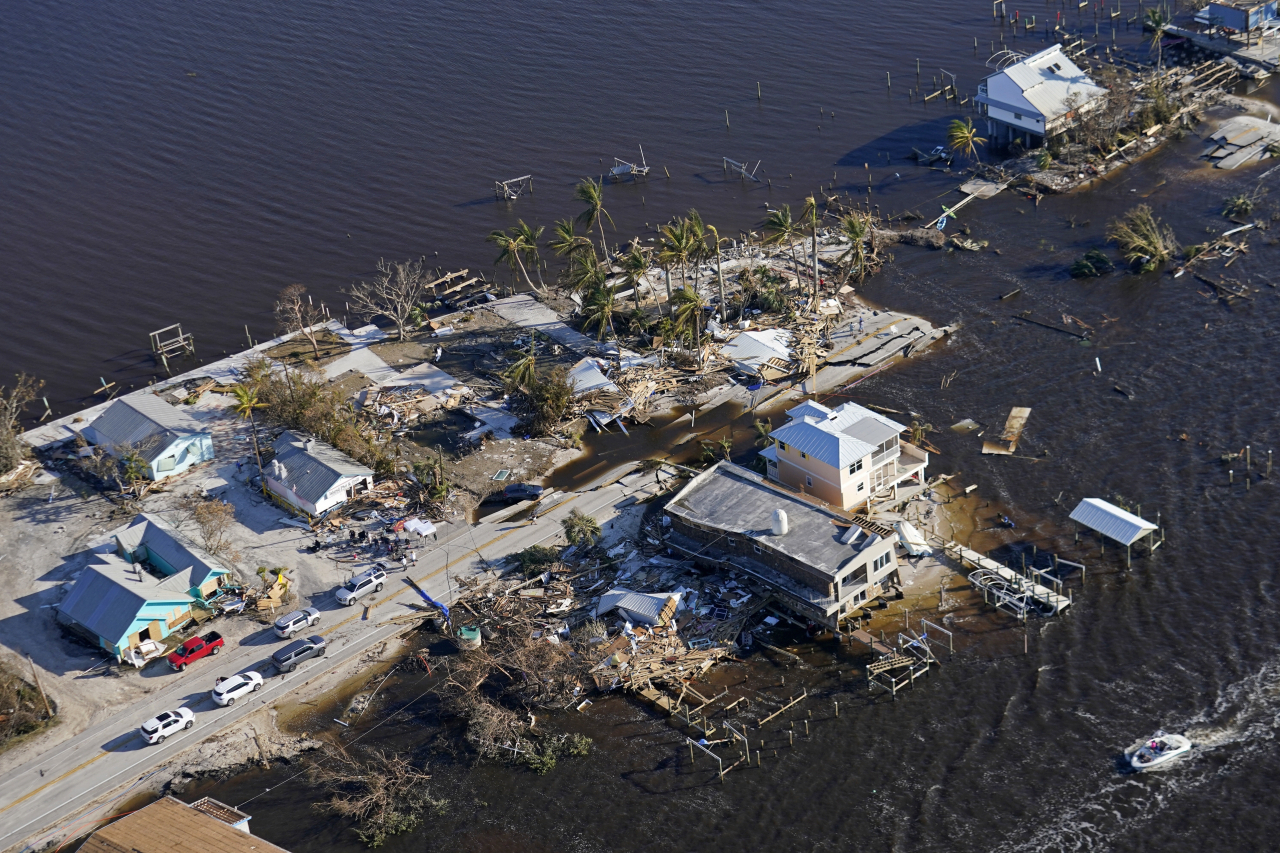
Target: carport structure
[(1116, 524)]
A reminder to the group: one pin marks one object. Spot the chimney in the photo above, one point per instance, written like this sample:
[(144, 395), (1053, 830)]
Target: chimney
[(779, 523), (308, 444)]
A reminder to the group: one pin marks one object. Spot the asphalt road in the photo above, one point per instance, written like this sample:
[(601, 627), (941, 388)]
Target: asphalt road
[(54, 787)]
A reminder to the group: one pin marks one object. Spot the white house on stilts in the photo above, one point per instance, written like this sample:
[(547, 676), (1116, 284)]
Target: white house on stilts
[(1033, 98)]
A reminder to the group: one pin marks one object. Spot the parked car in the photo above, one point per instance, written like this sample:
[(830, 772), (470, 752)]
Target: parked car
[(194, 649), (365, 583), (227, 690), (159, 727), (522, 492), (292, 623), (287, 659)]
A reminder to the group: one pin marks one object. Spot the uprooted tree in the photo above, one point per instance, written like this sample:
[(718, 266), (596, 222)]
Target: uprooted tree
[(295, 312), (395, 292), (13, 401), (382, 792), (1143, 239)]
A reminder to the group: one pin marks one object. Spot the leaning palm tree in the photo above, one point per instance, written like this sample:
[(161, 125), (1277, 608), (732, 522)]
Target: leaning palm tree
[(513, 248), (855, 227), (599, 311), (523, 374), (763, 430), (581, 529), (963, 138), (780, 229), (591, 193), (528, 236), (635, 263), (674, 249), (245, 401), (566, 242)]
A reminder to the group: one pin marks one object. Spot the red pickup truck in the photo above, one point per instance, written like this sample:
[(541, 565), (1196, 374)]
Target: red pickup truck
[(194, 649)]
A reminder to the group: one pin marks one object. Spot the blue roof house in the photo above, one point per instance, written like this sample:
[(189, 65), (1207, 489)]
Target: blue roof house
[(168, 439), (145, 590)]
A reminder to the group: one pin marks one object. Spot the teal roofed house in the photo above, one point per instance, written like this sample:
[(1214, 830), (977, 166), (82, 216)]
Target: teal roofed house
[(146, 590)]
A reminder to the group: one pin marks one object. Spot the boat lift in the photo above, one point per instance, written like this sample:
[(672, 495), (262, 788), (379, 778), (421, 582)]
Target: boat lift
[(623, 169), (740, 169), (513, 189), (902, 659)]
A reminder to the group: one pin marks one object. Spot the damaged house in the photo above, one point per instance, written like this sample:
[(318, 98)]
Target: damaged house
[(167, 439), (312, 476), (144, 589), (821, 564), (844, 456), (1033, 98)]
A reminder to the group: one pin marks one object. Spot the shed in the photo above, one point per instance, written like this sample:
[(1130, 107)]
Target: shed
[(168, 439), (1111, 521), (645, 608), (314, 476)]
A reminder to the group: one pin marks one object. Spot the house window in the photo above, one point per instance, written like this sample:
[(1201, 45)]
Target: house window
[(808, 481), (855, 467), (879, 563), (1018, 116), (782, 446), (861, 486), (804, 455), (165, 464), (732, 542), (755, 548)]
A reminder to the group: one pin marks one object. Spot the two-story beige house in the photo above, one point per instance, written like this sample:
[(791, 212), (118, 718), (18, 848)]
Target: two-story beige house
[(843, 456)]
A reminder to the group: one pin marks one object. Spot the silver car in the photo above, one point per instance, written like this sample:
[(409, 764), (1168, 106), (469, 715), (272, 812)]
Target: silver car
[(365, 583), (292, 623)]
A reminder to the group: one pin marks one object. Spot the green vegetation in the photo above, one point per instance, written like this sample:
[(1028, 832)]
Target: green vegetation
[(535, 558), (581, 529), (540, 757), (963, 138), (13, 401), (1144, 241), (1094, 263), (1237, 205)]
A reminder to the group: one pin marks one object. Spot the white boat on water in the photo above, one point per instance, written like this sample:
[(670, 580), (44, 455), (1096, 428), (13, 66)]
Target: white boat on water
[(1161, 748)]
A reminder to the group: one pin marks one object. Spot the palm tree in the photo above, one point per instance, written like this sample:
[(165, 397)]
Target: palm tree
[(810, 212), (699, 251), (1156, 21), (635, 263), (716, 241), (599, 311), (688, 316), (246, 400), (855, 228), (675, 247), (529, 237), (780, 228), (586, 273), (763, 428), (514, 248), (963, 138), (524, 373), (566, 242), (591, 193), (581, 529), (726, 444)]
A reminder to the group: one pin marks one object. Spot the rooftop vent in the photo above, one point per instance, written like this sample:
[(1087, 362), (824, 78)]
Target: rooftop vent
[(779, 523)]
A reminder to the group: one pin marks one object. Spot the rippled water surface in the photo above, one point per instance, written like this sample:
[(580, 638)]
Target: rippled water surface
[(172, 162)]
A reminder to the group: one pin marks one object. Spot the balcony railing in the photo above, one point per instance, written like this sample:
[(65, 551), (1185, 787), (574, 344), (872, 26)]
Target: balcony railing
[(879, 459)]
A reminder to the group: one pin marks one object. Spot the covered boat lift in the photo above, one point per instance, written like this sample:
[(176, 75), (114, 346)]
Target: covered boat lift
[(1116, 524)]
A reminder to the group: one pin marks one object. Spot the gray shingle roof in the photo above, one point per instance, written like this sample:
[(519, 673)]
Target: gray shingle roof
[(146, 422), (109, 594), (312, 473)]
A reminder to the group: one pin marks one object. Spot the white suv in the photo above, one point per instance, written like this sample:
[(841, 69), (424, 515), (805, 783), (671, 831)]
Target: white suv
[(361, 585), (159, 727)]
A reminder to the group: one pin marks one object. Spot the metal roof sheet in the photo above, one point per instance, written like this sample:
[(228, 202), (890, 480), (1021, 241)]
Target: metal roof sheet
[(1111, 521), (586, 376), (809, 409), (146, 422), (643, 606), (109, 595), (850, 413), (312, 473), (1052, 90), (752, 349), (827, 445)]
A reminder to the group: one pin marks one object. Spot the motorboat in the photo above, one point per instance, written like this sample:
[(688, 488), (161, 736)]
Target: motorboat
[(1160, 748)]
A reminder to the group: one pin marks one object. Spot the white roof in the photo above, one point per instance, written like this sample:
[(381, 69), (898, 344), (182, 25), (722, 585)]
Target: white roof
[(752, 349), (839, 437), (1051, 82), (1111, 521)]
